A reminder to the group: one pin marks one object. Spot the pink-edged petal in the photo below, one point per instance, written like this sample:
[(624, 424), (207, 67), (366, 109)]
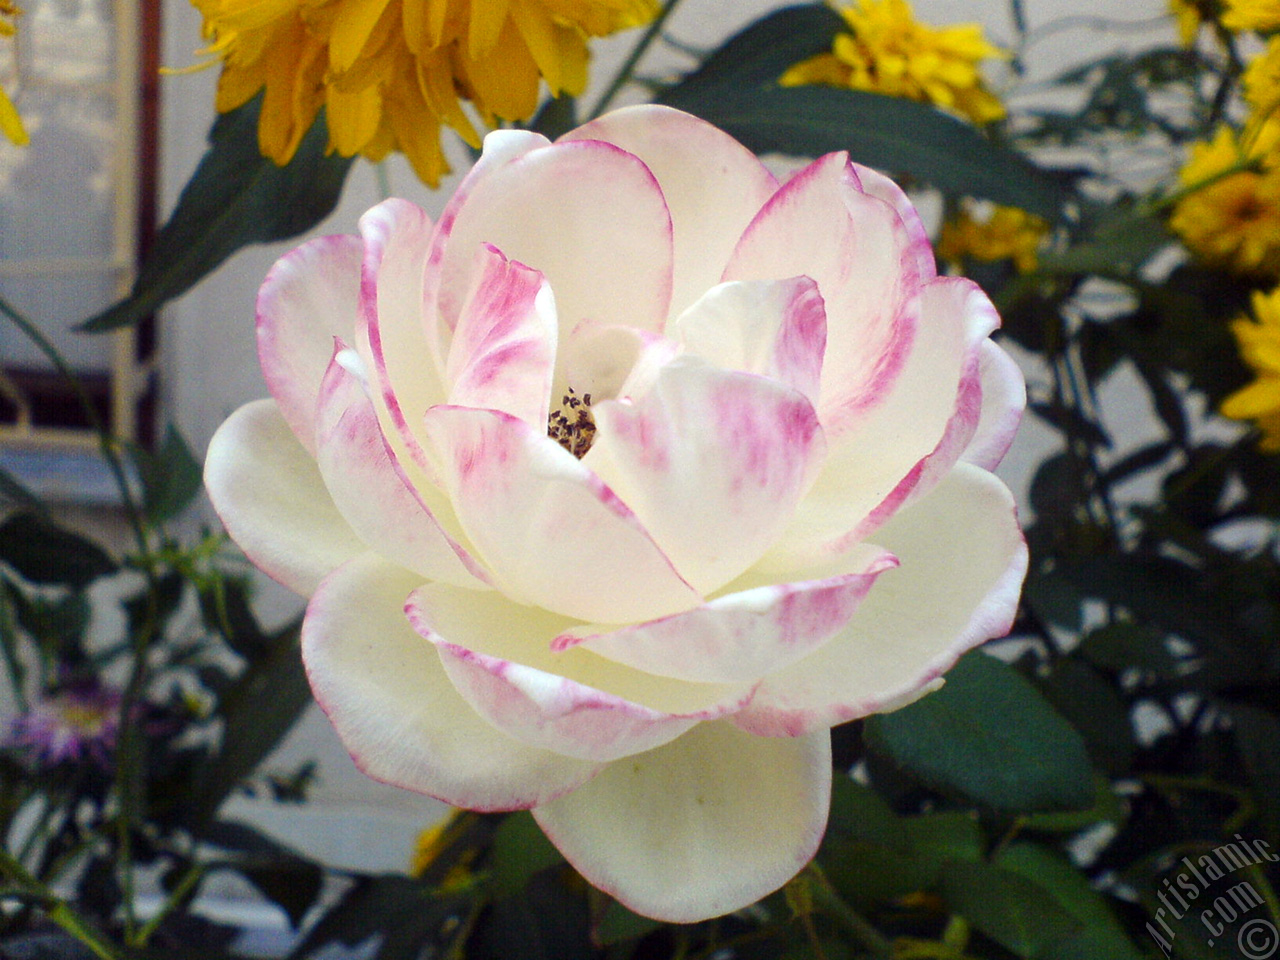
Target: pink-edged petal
[(962, 560), (713, 186), (553, 535), (397, 341), (588, 215), (503, 353), (713, 463), (1004, 397), (700, 827), (371, 491), (822, 225), (272, 500), (308, 298), (387, 695), (878, 185), (499, 656), (741, 636), (776, 328), (911, 438)]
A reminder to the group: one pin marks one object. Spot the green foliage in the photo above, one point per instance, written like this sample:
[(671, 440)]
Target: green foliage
[(236, 197)]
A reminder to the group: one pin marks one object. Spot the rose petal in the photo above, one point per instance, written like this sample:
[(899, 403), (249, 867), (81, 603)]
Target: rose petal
[(910, 439), (587, 215), (370, 490), (776, 328), (878, 185), (1004, 397), (503, 353), (741, 636), (702, 826), (713, 463), (553, 535), (713, 186), (308, 298), (962, 563), (399, 345), (387, 695), (272, 500), (822, 225), (499, 657)]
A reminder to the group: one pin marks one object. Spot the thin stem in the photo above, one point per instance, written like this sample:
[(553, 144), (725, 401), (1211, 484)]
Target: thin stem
[(827, 899), (628, 68), (184, 887), (57, 909)]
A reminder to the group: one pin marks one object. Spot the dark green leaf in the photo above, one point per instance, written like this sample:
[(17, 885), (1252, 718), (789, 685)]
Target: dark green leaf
[(1092, 705), (225, 605), (989, 735), (619, 924), (1071, 889), (1116, 249), (1257, 735), (47, 554), (257, 710), (859, 812), (556, 117), (171, 477), (1055, 599), (396, 908), (520, 849), (737, 90), (1122, 646), (286, 879), (13, 493), (548, 921), (1010, 909), (1106, 809), (236, 197)]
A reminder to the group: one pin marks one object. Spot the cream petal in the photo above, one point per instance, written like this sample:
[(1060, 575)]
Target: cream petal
[(272, 500), (553, 535), (713, 463), (744, 635), (588, 215), (308, 298), (910, 439), (775, 328), (700, 827), (962, 561), (713, 186), (1004, 397), (503, 353), (855, 246), (387, 695), (883, 188), (498, 655), (371, 491)]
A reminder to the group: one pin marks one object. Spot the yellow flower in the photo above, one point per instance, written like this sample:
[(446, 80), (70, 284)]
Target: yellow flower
[(1189, 18), (1262, 80), (1234, 221), (891, 52), (10, 122), (1259, 342), (1003, 233), (434, 841), (1251, 15), (390, 72)]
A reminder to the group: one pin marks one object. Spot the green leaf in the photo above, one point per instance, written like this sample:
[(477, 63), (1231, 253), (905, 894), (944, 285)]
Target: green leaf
[(520, 849), (619, 924), (171, 477), (257, 710), (1106, 809), (1093, 705), (1071, 889), (1010, 909), (284, 877), (14, 493), (1124, 645), (1257, 732), (46, 554), (990, 736), (861, 813), (236, 197), (737, 90)]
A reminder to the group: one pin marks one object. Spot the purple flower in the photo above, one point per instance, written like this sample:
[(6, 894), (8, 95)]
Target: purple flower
[(77, 723)]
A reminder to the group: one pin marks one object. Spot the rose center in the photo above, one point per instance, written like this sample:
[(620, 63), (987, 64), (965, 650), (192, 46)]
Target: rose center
[(571, 425)]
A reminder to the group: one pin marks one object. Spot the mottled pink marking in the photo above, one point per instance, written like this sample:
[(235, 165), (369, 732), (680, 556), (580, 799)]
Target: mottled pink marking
[(646, 434), (802, 339)]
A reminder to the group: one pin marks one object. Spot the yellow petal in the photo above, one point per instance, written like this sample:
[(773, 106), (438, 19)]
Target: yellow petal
[(353, 118), (11, 122), (1257, 399), (351, 29), (488, 17)]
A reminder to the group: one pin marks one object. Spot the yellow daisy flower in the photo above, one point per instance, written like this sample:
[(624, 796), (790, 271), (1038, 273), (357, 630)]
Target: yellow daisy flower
[(1259, 342), (997, 233), (1261, 15), (1188, 16), (1261, 80), (891, 52), (1233, 222), (390, 72), (10, 122)]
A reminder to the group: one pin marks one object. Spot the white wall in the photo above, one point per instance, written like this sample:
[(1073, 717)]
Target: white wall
[(210, 368)]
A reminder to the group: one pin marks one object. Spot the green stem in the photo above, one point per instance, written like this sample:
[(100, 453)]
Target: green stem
[(184, 887), (827, 899), (628, 68), (57, 909), (127, 765)]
